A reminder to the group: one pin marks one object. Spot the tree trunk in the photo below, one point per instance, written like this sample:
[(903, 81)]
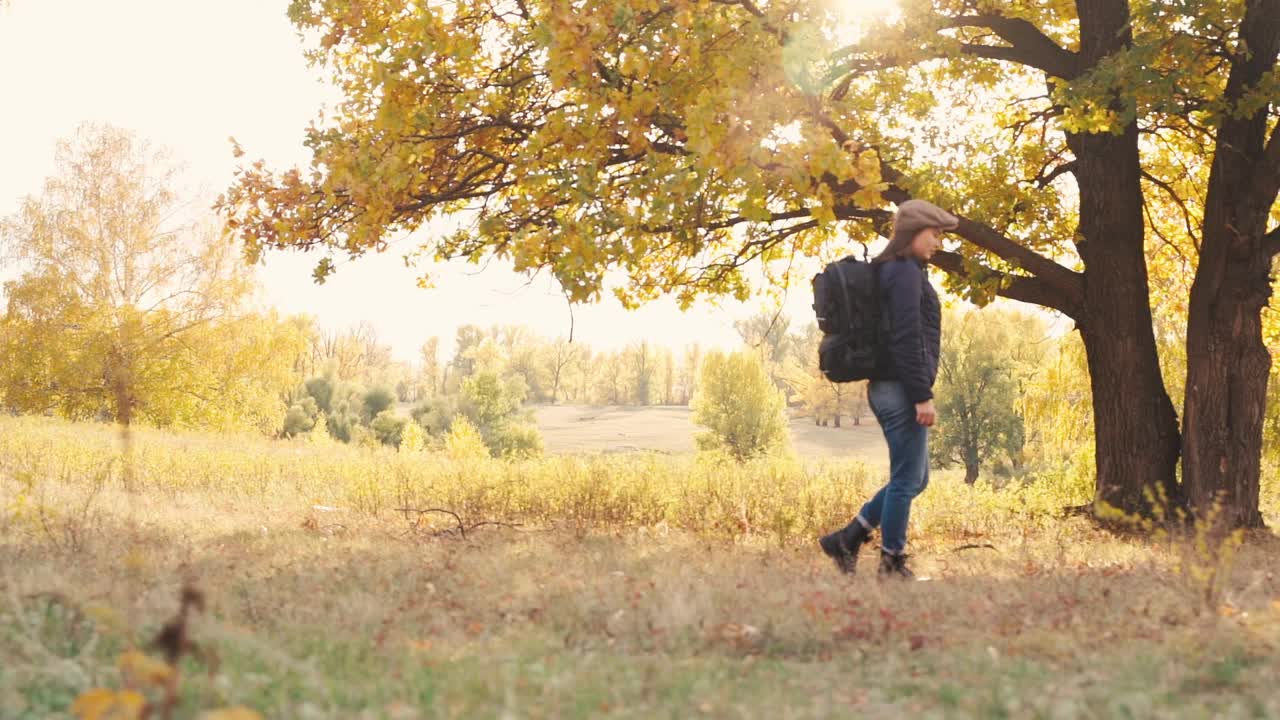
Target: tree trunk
[(970, 473), (1227, 369), (837, 419), (1136, 440), (1227, 362), (1136, 429), (120, 380)]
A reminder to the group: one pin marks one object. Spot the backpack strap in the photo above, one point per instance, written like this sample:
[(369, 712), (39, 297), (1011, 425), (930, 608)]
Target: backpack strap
[(884, 318), (844, 292)]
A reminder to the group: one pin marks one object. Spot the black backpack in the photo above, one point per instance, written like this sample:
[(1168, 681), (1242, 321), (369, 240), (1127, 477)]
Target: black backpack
[(846, 298)]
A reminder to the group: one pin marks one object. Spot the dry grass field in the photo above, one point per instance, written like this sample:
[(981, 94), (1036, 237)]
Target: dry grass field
[(633, 585), (670, 429)]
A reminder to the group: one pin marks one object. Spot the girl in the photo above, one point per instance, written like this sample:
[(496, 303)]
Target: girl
[(901, 392)]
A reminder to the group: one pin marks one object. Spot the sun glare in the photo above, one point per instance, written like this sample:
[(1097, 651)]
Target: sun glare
[(870, 9), (859, 14)]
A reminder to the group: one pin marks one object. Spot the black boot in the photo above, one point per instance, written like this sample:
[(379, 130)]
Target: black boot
[(894, 565), (842, 546)]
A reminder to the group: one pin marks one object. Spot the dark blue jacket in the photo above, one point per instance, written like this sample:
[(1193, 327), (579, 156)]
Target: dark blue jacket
[(914, 327)]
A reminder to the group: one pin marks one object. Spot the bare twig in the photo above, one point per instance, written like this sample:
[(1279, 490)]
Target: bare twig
[(976, 546), (1177, 200), (496, 523), (462, 529)]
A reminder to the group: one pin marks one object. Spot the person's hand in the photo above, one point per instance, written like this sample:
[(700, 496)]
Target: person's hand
[(926, 413)]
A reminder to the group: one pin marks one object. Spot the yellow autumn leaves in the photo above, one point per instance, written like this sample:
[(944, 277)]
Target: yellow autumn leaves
[(150, 685), (617, 138), (104, 704), (141, 672)]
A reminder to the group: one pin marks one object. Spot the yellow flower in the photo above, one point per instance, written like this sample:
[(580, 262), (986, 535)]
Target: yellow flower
[(140, 669), (103, 704)]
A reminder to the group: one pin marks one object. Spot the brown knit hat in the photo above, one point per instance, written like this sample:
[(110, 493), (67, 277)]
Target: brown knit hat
[(916, 215)]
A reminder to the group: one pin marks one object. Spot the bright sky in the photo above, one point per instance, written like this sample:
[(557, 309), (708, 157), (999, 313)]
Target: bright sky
[(188, 74)]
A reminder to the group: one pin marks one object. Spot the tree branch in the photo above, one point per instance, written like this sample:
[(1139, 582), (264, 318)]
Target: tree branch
[(1068, 282), (1065, 280), (730, 222), (1031, 290), (1182, 205), (882, 218), (751, 7), (1043, 180), (1027, 44), (1151, 220)]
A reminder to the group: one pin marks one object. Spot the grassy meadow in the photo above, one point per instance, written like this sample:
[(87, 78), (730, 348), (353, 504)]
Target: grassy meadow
[(670, 429), (341, 582)]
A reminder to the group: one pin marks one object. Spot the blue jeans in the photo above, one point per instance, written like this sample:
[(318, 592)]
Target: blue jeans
[(908, 463)]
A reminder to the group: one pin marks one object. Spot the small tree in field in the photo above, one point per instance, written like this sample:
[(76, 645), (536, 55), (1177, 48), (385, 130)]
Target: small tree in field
[(463, 441), (985, 355), (492, 403), (739, 405), (127, 304), (413, 438), (300, 419), (375, 401), (387, 428)]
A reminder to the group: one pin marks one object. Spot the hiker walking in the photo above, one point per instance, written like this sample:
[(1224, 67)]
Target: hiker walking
[(900, 391)]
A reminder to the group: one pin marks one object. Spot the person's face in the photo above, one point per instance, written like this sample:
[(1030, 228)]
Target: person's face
[(926, 242)]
